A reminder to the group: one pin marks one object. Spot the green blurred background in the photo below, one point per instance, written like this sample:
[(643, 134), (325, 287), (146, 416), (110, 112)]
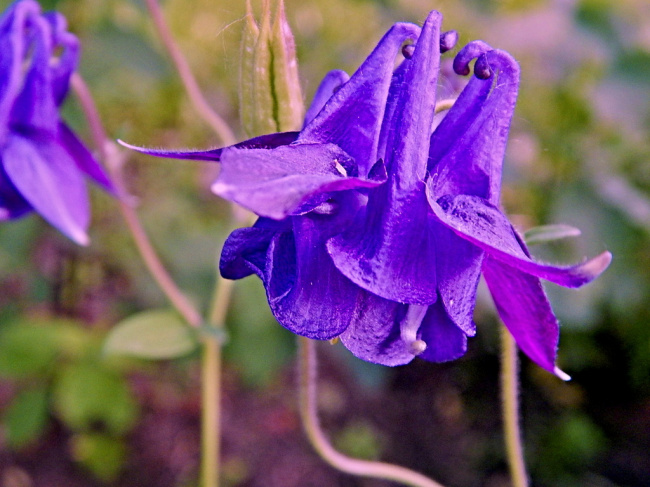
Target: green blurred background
[(579, 154)]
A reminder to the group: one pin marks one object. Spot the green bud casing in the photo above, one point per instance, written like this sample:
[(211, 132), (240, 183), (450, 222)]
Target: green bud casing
[(270, 94)]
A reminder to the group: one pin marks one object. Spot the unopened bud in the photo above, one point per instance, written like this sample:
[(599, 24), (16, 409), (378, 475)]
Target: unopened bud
[(290, 108), (270, 95)]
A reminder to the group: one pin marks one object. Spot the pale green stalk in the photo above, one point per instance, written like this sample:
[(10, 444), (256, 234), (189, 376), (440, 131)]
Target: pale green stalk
[(316, 436), (510, 409)]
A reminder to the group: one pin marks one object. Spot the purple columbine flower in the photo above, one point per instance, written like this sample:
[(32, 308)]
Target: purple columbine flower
[(42, 162), (374, 229)]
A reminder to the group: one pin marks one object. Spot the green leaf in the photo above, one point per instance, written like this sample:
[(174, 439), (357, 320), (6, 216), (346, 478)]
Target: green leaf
[(157, 334), (26, 417), (88, 394), (359, 440), (549, 233), (101, 454), (27, 350)]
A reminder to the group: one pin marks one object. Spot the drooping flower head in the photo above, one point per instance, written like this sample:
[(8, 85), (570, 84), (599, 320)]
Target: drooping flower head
[(375, 228), (42, 162)]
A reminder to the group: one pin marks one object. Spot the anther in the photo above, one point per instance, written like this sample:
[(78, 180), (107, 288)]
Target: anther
[(448, 40), (408, 50)]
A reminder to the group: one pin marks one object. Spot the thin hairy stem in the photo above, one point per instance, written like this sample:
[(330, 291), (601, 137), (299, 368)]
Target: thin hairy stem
[(510, 409), (309, 416), (210, 412), (211, 380), (201, 105), (113, 158)]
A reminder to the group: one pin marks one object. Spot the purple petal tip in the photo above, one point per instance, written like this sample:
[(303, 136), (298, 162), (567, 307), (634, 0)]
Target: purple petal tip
[(594, 267), (143, 150), (78, 236), (561, 374)]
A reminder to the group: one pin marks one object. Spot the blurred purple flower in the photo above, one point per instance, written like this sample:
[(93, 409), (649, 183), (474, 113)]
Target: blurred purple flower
[(42, 162), (375, 230)]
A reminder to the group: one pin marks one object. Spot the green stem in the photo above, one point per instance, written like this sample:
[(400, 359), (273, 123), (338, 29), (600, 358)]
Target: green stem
[(510, 409), (211, 386), (210, 412), (343, 463)]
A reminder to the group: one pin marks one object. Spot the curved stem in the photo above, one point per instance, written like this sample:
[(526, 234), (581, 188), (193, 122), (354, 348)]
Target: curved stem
[(309, 416), (113, 159), (217, 123), (510, 409)]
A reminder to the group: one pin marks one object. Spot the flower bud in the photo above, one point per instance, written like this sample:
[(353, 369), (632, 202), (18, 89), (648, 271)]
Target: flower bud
[(270, 95)]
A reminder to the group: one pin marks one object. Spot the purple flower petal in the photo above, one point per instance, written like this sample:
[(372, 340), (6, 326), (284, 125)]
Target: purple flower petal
[(274, 183), (391, 255), (306, 293), (375, 335), (468, 147), (13, 48), (390, 251), (409, 127), (390, 333), (270, 141), (49, 180), (12, 204), (65, 64), (35, 106), (458, 270), (444, 340), (487, 228), (245, 249), (525, 310), (331, 83), (353, 116)]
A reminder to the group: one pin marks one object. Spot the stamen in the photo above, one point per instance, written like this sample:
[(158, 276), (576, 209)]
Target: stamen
[(408, 50), (443, 105), (448, 41), (409, 327)]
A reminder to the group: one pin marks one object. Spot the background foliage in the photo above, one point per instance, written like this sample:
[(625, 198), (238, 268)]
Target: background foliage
[(579, 154)]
